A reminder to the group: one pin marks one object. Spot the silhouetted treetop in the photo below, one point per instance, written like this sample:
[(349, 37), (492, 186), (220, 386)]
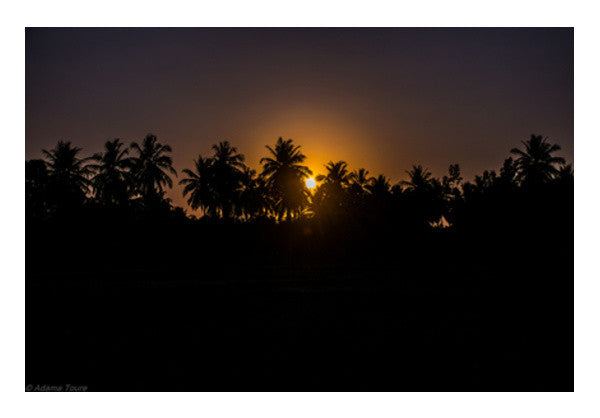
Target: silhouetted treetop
[(284, 174), (198, 184), (112, 183), (151, 167), (536, 163), (419, 179)]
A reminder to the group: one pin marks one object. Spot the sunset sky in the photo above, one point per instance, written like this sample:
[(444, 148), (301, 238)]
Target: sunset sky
[(382, 99)]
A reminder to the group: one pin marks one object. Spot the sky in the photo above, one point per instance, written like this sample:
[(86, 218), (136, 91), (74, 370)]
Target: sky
[(382, 99)]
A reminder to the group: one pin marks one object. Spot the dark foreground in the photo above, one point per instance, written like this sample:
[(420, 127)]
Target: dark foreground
[(289, 308)]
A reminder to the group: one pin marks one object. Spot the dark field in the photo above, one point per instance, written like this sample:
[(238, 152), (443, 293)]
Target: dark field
[(292, 307)]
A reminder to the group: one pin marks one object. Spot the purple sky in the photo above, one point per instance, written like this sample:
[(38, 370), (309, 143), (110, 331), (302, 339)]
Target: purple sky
[(382, 99)]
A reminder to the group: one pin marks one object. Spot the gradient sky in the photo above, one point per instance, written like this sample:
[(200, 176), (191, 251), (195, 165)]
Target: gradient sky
[(382, 99)]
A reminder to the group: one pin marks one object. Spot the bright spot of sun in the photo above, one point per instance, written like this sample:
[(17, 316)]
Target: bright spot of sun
[(311, 183)]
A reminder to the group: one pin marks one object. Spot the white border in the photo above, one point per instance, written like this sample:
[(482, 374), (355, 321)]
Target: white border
[(17, 15)]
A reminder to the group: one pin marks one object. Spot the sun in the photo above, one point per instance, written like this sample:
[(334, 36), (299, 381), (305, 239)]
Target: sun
[(311, 183)]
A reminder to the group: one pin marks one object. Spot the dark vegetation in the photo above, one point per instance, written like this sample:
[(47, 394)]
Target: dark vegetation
[(428, 284)]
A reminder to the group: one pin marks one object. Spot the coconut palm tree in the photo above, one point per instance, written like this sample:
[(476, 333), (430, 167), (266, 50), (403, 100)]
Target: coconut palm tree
[(508, 173), (227, 155), (424, 195), (36, 176), (111, 182), (227, 168), (252, 197), (485, 181), (536, 163), (565, 174), (419, 179), (69, 174), (198, 185), (151, 167), (332, 195), (379, 187), (285, 174), (360, 180), (36, 188), (337, 174)]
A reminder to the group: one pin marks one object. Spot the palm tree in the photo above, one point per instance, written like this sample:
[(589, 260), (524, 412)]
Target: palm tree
[(337, 174), (536, 163), (508, 173), (150, 168), (424, 195), (360, 180), (252, 197), (111, 182), (198, 185), (227, 166), (380, 186), (565, 174), (226, 155), (69, 174), (419, 179), (36, 176), (285, 175), (331, 196), (36, 188), (486, 181)]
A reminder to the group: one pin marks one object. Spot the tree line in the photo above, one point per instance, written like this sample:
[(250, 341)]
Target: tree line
[(222, 186)]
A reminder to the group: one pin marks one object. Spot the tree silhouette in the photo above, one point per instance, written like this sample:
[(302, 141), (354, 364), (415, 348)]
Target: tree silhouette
[(285, 175), (486, 181), (536, 163), (111, 183), (36, 188), (565, 174), (198, 185), (337, 174), (253, 196), (425, 194), (419, 179), (451, 191), (331, 196), (509, 173), (216, 183), (452, 181), (326, 197), (379, 187), (227, 164), (150, 168), (360, 181), (68, 175)]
